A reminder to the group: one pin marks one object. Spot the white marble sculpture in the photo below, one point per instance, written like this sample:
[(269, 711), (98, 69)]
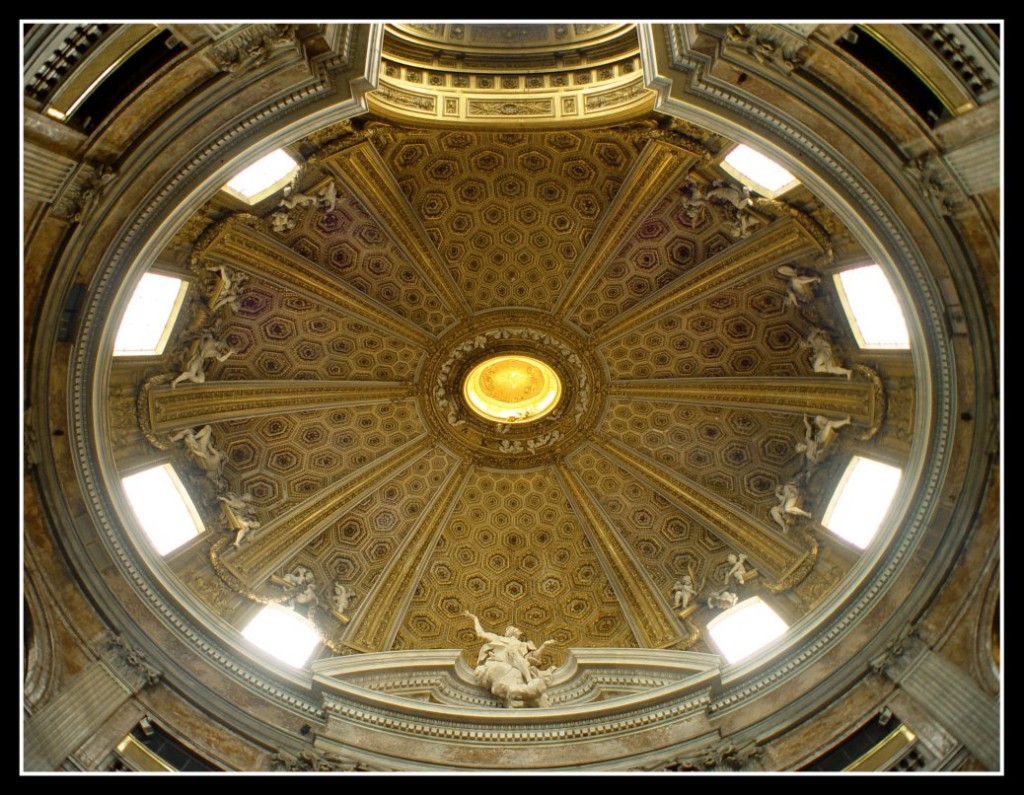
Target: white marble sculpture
[(726, 193), (737, 572), (239, 514), (508, 666), (230, 292), (342, 597), (799, 288), (788, 497), (281, 222), (683, 592), (209, 348), (293, 198), (301, 584), (818, 435), (823, 359), (744, 224), (722, 600), (328, 197), (200, 445)]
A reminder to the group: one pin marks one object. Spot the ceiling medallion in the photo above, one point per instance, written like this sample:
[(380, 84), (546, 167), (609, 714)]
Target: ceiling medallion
[(512, 389)]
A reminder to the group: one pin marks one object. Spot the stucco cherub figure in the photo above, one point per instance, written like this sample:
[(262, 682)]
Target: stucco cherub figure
[(737, 572), (683, 592), (788, 497)]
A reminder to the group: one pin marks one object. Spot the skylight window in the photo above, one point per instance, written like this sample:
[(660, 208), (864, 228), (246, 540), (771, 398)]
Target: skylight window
[(264, 177), (742, 630), (861, 500), (758, 172), (282, 633), (163, 507), (871, 307), (149, 318)]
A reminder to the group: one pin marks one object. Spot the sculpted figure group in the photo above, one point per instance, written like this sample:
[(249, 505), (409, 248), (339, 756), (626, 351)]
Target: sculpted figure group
[(508, 666)]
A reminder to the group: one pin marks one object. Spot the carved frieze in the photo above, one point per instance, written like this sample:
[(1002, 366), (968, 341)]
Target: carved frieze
[(487, 107), (310, 762), (129, 664), (772, 45), (251, 46)]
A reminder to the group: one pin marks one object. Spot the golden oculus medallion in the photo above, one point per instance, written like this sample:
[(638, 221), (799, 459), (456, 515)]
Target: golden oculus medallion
[(512, 388)]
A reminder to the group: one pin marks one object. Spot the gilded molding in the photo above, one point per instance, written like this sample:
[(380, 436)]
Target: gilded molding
[(280, 537), (375, 631), (809, 395), (615, 97), (237, 244), (653, 174), (360, 168), (639, 598), (782, 241), (497, 107), (407, 99), (514, 445), (228, 578), (772, 552), (799, 574), (199, 404), (651, 131), (142, 410)]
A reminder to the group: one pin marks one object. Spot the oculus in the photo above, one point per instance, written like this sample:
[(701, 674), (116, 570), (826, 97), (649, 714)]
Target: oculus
[(512, 388)]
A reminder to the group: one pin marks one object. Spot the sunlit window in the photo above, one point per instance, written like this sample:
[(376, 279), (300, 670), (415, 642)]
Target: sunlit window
[(149, 318), (861, 500), (283, 634), (757, 172), (871, 306), (163, 507), (742, 630), (267, 175)]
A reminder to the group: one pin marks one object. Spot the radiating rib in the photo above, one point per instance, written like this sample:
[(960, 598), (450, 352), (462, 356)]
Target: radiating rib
[(782, 241), (368, 178), (374, 627), (236, 244), (773, 553), (217, 401), (645, 609), (656, 172), (817, 395), (283, 535)]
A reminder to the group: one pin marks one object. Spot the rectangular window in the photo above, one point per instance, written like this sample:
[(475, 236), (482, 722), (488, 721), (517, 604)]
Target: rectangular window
[(758, 172), (872, 309), (163, 507), (861, 500), (148, 320), (745, 628), (282, 633), (264, 177)]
